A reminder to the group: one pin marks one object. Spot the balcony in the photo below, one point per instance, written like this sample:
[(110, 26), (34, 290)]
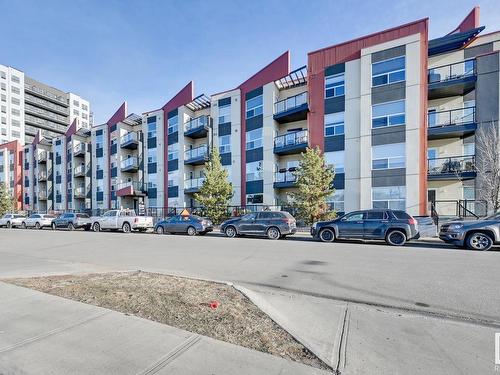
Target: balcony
[(193, 185), (130, 164), (197, 127), (42, 176), (283, 180), (79, 171), (291, 109), (196, 156), (80, 193), (130, 141), (42, 195), (291, 143), (452, 168), (452, 80), (452, 124), (79, 150), (42, 157), (131, 189)]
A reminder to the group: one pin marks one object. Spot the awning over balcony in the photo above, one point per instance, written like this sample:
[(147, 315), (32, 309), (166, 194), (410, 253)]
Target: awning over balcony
[(452, 41)]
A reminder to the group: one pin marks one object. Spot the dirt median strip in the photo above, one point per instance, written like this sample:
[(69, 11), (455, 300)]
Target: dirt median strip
[(206, 308)]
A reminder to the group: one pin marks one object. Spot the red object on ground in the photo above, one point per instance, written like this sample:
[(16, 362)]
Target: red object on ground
[(214, 304)]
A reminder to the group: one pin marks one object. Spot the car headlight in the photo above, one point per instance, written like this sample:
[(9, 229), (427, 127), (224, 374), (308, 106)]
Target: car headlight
[(455, 226)]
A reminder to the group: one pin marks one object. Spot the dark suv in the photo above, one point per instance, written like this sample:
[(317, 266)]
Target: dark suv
[(72, 221), (273, 224), (394, 227)]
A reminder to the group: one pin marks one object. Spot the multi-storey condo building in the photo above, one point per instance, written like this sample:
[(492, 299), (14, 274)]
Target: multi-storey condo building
[(395, 114), (11, 105)]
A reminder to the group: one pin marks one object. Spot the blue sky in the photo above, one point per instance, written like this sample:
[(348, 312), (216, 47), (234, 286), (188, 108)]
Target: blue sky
[(145, 51)]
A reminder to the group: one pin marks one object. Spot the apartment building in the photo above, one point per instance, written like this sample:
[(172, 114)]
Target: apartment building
[(11, 169), (11, 105), (395, 114)]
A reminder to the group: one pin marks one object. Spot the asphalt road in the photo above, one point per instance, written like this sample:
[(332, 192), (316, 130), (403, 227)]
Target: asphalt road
[(430, 279)]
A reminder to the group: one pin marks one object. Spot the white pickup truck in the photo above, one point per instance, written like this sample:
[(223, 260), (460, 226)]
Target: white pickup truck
[(125, 220)]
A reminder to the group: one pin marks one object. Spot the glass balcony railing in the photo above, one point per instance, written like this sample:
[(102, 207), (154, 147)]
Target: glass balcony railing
[(137, 186), (194, 183), (129, 137), (291, 139), (195, 123), (451, 165), (290, 103), (79, 149), (80, 170), (130, 163), (80, 191), (285, 177), (42, 176), (42, 156), (452, 117), (195, 153), (453, 71)]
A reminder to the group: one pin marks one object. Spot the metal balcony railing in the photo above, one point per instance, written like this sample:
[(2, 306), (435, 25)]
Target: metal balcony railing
[(79, 170), (452, 71), (291, 139), (136, 185), (449, 165), (80, 191), (42, 176), (290, 103), (287, 176), (131, 136), (452, 117), (195, 123), (194, 183), (79, 149), (42, 156), (132, 162), (195, 153)]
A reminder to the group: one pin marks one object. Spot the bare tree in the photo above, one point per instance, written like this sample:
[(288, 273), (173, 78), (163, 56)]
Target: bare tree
[(488, 164)]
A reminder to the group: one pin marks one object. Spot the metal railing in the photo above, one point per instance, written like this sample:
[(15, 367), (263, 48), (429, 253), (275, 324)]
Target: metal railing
[(42, 156), (198, 122), (79, 170), (287, 176), (79, 148), (454, 164), (136, 185), (132, 162), (131, 136), (80, 192), (194, 183), (290, 103), (195, 153), (452, 71), (452, 117), (42, 176), (464, 208), (291, 139)]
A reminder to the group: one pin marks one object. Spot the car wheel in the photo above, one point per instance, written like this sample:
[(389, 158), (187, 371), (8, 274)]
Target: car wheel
[(191, 231), (159, 229), (96, 227), (9, 225), (479, 241), (23, 225), (126, 228), (273, 233), (230, 231), (327, 235), (395, 238), (53, 226), (37, 225)]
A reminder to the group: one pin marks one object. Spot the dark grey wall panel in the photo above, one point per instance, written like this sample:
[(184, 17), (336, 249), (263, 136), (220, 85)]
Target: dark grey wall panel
[(225, 128), (99, 196), (254, 155), (97, 132), (152, 193), (173, 138), (152, 167), (254, 122), (225, 159), (99, 152), (339, 181), (388, 134), (173, 165), (113, 149), (173, 191), (152, 142), (224, 101), (334, 105), (255, 187), (99, 174), (335, 143), (471, 52), (335, 69), (252, 94), (173, 113), (389, 53), (114, 172), (389, 177), (388, 93)]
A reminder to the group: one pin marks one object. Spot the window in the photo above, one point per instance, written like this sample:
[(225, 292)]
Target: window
[(254, 139), (152, 180), (173, 178), (254, 171), (469, 192), (85, 107), (152, 158), (389, 156), (388, 114), (335, 159), (334, 124), (3, 75), (254, 106), (152, 129), (15, 112), (225, 144), (224, 113), (99, 141), (355, 216), (173, 151), (469, 149), (376, 215), (76, 103), (76, 112), (255, 199), (334, 85), (393, 197), (15, 101), (173, 124), (15, 90), (15, 79), (336, 201), (388, 71)]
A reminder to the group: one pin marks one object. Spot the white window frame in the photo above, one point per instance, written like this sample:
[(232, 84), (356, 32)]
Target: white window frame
[(388, 74), (389, 115), (256, 110), (173, 127), (402, 189), (393, 161), (254, 143), (334, 77), (226, 117), (335, 124), (256, 175), (224, 148)]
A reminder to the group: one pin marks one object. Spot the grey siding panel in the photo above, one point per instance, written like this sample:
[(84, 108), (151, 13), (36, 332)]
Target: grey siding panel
[(152, 193), (339, 181), (224, 101), (225, 159), (173, 113), (388, 93), (254, 123), (225, 128), (99, 174), (252, 94), (114, 172), (98, 153), (255, 187), (334, 105), (113, 149), (173, 138), (97, 132), (478, 50), (389, 134), (254, 155), (173, 165), (389, 177), (152, 142), (335, 143), (335, 69), (173, 191), (389, 53)]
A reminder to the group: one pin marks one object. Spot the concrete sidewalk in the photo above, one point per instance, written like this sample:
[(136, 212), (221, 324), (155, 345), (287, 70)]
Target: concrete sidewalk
[(45, 334), (362, 339)]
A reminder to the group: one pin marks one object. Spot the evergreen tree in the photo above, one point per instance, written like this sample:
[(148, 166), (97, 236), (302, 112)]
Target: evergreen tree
[(6, 200), (216, 190), (314, 185)]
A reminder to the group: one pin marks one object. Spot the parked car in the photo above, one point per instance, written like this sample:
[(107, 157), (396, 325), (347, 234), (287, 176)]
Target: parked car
[(273, 224), (393, 226), (190, 224), (38, 221), (11, 220), (72, 221), (124, 220), (474, 235)]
